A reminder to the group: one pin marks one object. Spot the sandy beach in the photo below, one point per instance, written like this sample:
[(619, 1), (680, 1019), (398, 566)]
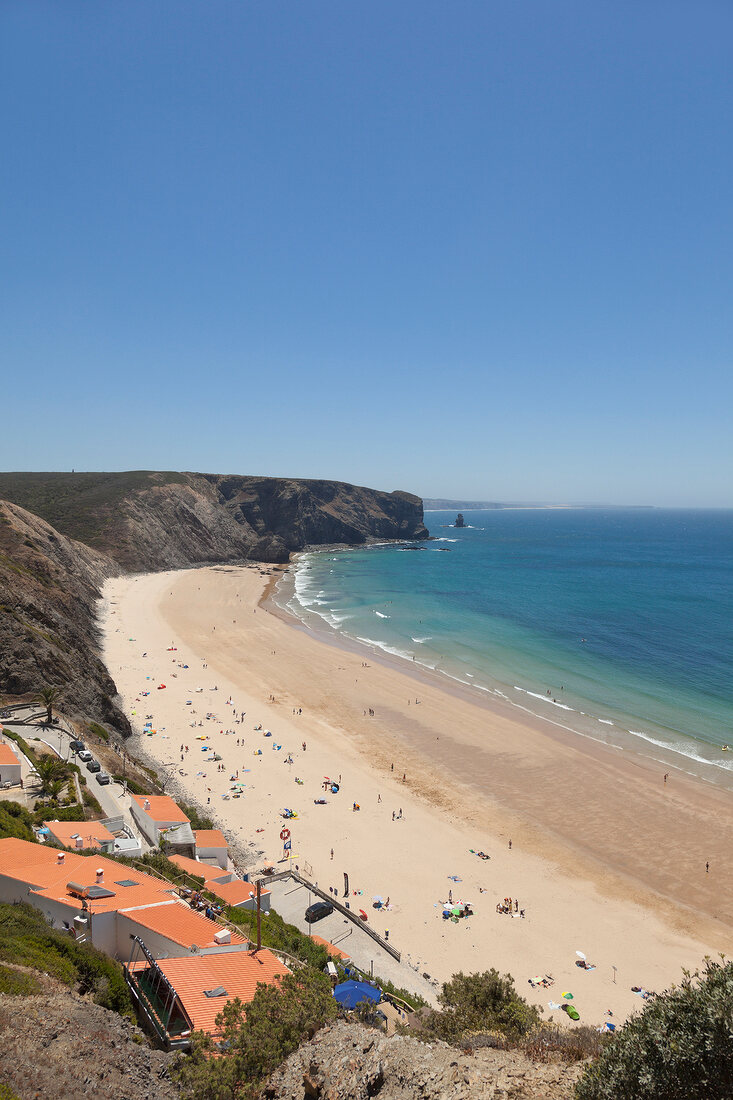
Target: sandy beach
[(599, 853)]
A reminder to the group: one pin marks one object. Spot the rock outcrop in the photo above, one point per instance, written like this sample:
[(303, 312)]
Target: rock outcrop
[(348, 1061)]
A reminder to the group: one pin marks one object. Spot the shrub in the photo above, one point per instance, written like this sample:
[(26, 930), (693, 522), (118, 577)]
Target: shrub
[(678, 1048), (132, 784), (16, 821), (59, 813), (27, 939), (481, 1002), (15, 983), (257, 1037), (98, 731), (549, 1041), (198, 821)]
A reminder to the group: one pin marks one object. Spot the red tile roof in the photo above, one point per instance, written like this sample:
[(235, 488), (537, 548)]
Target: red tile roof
[(93, 833), (335, 951), (7, 756), (232, 893), (180, 924), (238, 972), (37, 866), (162, 807), (210, 838)]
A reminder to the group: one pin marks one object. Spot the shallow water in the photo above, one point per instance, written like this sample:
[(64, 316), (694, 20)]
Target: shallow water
[(617, 624)]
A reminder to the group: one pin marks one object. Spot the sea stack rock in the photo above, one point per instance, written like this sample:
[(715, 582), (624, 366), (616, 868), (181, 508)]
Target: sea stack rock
[(459, 520)]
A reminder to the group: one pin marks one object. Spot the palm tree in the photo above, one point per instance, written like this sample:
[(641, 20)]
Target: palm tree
[(48, 696), (51, 772)]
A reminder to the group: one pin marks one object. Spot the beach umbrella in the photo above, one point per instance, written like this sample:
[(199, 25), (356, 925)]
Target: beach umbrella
[(581, 955), (567, 996), (456, 911), (349, 994)]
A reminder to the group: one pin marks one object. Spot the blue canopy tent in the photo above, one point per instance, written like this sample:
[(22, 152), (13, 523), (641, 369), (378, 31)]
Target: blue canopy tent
[(349, 994)]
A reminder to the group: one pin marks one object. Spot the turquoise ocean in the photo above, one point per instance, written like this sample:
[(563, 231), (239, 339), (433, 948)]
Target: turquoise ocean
[(625, 616)]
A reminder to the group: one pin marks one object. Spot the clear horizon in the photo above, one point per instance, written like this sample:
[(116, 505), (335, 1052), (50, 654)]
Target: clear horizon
[(402, 247)]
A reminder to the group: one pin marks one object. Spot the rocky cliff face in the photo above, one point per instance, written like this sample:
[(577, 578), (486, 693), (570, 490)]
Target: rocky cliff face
[(49, 585), (65, 533), (148, 521)]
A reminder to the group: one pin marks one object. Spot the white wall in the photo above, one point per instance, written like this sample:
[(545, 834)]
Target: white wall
[(217, 856)]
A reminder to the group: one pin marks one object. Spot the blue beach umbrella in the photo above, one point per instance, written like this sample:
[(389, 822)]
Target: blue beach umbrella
[(349, 994)]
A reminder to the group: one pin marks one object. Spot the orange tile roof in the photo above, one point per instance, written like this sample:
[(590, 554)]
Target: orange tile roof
[(162, 807), (191, 866), (210, 838), (37, 866), (180, 924), (7, 756), (335, 951), (233, 893), (93, 833), (238, 972)]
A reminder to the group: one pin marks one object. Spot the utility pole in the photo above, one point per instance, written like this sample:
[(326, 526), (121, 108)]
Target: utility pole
[(259, 914)]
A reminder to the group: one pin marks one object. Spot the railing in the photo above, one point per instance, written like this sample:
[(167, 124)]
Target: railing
[(349, 913)]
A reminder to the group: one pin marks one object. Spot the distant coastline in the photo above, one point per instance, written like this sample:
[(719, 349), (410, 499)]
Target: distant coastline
[(438, 504)]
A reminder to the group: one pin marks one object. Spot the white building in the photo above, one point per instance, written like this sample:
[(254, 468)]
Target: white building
[(162, 822)]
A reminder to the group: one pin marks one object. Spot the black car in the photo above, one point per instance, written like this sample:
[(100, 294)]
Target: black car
[(78, 746), (318, 911), (94, 766)]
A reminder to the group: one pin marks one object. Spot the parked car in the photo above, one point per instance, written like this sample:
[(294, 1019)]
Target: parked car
[(102, 777), (94, 766), (78, 746), (318, 911), (85, 755)]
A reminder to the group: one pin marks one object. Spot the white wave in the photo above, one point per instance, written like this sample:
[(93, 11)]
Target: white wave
[(683, 751), (544, 698), (382, 616), (604, 721), (427, 638), (445, 540), (387, 648)]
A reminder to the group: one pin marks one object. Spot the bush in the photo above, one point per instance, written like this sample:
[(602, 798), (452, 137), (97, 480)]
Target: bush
[(257, 1037), (198, 821), (132, 784), (98, 731), (90, 801), (678, 1048), (481, 1002), (27, 939), (58, 813), (16, 821), (15, 983)]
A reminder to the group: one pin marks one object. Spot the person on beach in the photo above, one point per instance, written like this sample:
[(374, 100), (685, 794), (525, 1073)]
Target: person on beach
[(332, 853), (510, 845)]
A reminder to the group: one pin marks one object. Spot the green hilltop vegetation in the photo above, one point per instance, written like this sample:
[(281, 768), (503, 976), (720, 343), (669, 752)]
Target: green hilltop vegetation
[(79, 505)]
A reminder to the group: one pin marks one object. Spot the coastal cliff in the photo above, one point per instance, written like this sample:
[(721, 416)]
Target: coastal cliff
[(147, 521), (62, 535), (49, 585)]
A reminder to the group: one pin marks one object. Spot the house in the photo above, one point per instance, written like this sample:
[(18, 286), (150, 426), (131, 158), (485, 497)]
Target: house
[(162, 822), (81, 834), (212, 847), (225, 885), (183, 994), (106, 903), (9, 766)]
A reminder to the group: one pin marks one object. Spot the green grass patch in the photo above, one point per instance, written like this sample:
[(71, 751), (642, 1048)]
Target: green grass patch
[(16, 983), (98, 731), (198, 821), (90, 801)]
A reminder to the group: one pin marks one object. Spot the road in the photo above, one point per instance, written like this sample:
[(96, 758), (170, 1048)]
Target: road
[(290, 899), (113, 800)]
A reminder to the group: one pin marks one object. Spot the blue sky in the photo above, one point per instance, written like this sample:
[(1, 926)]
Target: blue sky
[(471, 249)]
